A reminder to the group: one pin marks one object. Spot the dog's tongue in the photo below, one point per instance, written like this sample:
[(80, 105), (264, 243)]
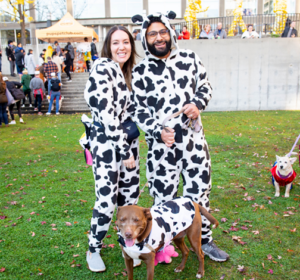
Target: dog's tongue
[(129, 242)]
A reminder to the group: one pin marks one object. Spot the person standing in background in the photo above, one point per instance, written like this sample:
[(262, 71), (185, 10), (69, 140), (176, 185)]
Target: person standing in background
[(138, 35), (38, 89), (19, 55), (11, 57), (87, 57), (25, 81), (57, 48), (49, 68), (72, 54), (57, 60), (290, 32), (30, 63), (3, 103), (68, 62), (94, 49)]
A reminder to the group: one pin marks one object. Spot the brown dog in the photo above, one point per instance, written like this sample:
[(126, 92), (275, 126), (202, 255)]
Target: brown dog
[(137, 225)]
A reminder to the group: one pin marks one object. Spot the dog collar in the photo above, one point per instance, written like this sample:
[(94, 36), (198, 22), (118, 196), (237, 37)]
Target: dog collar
[(284, 177)]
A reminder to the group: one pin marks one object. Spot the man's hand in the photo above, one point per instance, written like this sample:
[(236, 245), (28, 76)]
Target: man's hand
[(167, 136), (9, 59), (191, 111), (129, 163)]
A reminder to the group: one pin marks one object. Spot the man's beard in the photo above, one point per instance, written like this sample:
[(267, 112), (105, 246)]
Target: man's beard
[(160, 53)]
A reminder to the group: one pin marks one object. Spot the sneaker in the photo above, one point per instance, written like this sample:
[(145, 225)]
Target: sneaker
[(35, 109), (48, 113), (40, 113), (210, 249), (12, 122), (69, 81), (95, 262), (23, 106), (58, 113), (30, 105), (21, 120)]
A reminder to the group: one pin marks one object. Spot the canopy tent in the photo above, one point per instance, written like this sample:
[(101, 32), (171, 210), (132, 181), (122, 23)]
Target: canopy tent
[(66, 30)]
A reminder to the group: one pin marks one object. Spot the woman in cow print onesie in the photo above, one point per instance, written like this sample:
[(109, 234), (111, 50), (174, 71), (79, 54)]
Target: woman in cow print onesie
[(165, 81), (115, 161)]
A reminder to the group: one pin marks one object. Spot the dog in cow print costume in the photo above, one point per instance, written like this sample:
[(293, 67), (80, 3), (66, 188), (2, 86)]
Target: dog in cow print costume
[(163, 84)]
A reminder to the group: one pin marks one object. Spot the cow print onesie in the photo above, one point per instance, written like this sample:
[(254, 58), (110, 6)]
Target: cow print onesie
[(164, 86), (108, 97)]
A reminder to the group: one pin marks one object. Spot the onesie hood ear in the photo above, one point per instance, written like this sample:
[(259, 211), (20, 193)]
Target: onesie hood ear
[(137, 19), (156, 17)]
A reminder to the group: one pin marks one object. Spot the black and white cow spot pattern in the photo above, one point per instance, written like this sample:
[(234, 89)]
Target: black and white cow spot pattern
[(109, 99)]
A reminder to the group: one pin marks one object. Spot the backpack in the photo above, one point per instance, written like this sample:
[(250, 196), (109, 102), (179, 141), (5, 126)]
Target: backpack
[(55, 85)]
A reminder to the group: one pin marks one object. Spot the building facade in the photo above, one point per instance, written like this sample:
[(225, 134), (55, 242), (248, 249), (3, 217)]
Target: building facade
[(102, 14)]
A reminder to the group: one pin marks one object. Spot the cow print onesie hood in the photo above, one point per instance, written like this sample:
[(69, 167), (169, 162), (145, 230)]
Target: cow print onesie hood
[(145, 21)]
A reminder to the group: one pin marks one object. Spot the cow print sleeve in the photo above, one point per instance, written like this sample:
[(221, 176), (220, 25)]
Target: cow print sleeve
[(203, 90), (141, 113), (100, 93)]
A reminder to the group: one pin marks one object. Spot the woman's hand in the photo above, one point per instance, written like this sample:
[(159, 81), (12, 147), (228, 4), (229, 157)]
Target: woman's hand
[(167, 136), (129, 163)]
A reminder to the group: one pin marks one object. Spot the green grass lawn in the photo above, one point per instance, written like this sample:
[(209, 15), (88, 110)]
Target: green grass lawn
[(47, 195)]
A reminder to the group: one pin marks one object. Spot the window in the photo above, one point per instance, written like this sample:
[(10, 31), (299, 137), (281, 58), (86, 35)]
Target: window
[(125, 8), (213, 10), (269, 6), (5, 36), (249, 7), (89, 8), (163, 6)]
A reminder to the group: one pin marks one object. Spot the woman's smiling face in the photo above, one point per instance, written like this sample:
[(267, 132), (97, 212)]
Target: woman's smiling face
[(120, 47)]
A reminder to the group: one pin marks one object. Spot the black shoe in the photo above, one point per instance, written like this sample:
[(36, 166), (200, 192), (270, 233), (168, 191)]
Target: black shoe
[(13, 75), (210, 249)]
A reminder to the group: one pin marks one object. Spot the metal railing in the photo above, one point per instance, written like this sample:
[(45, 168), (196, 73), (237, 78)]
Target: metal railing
[(263, 24)]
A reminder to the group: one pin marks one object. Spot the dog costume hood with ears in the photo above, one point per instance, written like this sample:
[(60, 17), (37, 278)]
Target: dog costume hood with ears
[(145, 22)]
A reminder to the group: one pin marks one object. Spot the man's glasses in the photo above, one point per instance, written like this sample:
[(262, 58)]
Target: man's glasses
[(162, 33)]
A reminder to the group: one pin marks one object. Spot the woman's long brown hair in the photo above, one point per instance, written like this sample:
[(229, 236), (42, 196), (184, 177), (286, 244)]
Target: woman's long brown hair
[(129, 64), (2, 83)]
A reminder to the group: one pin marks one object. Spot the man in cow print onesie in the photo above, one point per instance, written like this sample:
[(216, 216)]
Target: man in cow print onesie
[(165, 81)]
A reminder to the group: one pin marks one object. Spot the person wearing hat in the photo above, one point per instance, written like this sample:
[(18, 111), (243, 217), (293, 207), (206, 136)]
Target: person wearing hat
[(25, 81), (54, 93), (11, 57), (37, 86)]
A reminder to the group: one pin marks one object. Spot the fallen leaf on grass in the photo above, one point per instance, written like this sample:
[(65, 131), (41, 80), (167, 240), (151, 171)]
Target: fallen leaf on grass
[(32, 213), (240, 268), (75, 256), (68, 224), (53, 225), (270, 257), (293, 230), (54, 229), (279, 257), (43, 222), (263, 265), (116, 274), (270, 271), (3, 217), (2, 269), (82, 200), (222, 277), (223, 220), (244, 228), (124, 273), (111, 245), (255, 232), (33, 234), (289, 250)]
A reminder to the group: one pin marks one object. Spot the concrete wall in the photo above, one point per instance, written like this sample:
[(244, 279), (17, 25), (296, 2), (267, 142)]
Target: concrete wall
[(262, 74)]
